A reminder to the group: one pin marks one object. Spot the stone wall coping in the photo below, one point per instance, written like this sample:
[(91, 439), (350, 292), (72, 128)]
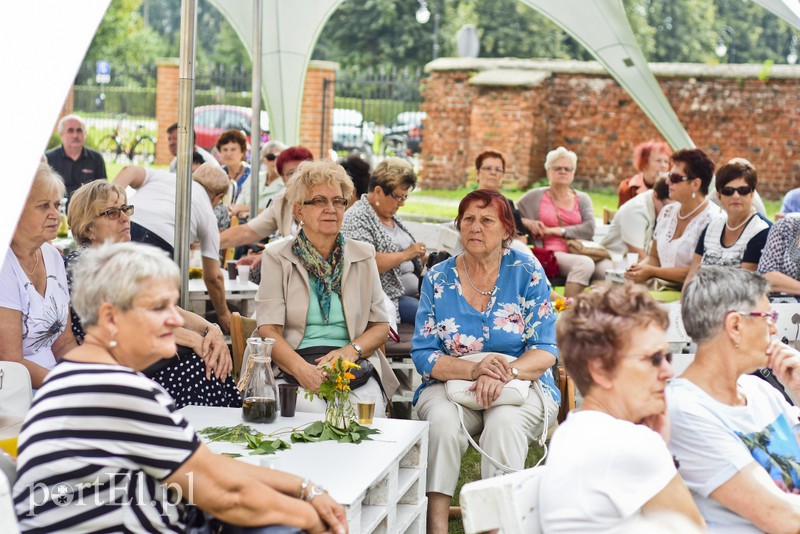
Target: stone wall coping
[(560, 66), (320, 64), (168, 62), (510, 78)]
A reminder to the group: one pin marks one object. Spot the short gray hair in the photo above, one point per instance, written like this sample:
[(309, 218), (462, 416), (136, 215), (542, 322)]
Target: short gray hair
[(271, 146), (71, 116), (312, 173), (114, 273), (212, 178), (46, 179), (712, 293), (557, 154)]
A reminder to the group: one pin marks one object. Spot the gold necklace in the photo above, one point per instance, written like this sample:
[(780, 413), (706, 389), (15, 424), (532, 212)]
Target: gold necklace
[(35, 263), (484, 293)]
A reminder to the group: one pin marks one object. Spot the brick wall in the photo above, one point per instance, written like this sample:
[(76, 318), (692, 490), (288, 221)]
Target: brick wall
[(525, 108), (167, 85), (311, 115)]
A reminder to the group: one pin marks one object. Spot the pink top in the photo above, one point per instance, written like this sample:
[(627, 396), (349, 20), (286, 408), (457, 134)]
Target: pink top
[(547, 214)]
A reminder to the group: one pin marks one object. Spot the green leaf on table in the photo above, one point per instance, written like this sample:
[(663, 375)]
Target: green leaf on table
[(315, 429), (232, 454)]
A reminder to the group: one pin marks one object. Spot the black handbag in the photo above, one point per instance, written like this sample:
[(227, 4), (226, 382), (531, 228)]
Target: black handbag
[(310, 354)]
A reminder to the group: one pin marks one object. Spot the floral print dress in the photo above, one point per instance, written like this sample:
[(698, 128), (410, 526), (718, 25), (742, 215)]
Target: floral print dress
[(518, 317)]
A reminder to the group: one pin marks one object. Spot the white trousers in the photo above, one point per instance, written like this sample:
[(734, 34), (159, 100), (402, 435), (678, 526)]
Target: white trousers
[(506, 432)]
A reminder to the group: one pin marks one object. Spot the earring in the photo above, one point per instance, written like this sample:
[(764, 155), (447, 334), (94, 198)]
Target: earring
[(377, 202), (112, 344), (693, 194)]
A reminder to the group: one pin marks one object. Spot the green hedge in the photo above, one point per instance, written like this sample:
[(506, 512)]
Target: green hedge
[(128, 100)]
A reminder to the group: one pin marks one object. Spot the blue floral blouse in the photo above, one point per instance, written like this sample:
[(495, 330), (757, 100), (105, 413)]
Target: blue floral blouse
[(518, 317)]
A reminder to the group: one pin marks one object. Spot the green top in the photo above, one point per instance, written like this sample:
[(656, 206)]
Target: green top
[(319, 334)]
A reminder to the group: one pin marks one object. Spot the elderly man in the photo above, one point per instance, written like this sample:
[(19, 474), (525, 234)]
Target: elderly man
[(75, 163), (172, 142), (154, 219)]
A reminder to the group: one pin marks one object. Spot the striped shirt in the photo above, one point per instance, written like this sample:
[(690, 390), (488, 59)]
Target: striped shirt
[(94, 446)]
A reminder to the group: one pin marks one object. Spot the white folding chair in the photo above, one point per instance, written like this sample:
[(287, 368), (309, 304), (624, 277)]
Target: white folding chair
[(8, 518), (15, 397), (509, 503)]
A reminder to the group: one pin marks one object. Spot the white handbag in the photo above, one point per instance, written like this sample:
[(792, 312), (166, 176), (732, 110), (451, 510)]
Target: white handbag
[(514, 393)]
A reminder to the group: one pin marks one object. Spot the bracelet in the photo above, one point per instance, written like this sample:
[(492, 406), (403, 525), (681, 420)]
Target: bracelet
[(205, 332), (303, 485)]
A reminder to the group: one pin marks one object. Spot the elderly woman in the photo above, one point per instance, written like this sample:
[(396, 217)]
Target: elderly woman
[(374, 220), (651, 159), (199, 373), (611, 455), (34, 301), (270, 183), (737, 236), (320, 297), (488, 299), (99, 428), (490, 166), (733, 433), (679, 224), (780, 261), (558, 213)]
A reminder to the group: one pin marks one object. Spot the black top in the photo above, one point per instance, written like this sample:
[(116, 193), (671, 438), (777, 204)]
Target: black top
[(87, 168)]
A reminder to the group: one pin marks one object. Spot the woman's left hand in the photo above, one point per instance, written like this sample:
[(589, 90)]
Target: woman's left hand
[(785, 363), (215, 354), (639, 273), (331, 512), (334, 354), (487, 390)]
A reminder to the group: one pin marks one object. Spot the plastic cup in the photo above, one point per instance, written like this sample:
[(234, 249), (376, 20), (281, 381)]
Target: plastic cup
[(616, 260), (287, 394), (631, 259), (365, 409), (244, 272), (232, 270)]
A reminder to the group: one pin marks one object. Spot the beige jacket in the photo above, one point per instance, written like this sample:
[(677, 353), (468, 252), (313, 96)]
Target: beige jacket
[(278, 216), (285, 291)]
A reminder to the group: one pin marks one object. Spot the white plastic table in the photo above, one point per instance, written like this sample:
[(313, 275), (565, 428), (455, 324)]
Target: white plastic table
[(243, 292), (381, 482)]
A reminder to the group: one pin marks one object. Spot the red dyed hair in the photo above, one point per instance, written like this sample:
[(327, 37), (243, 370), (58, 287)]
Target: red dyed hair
[(489, 154), (642, 152), (487, 197), (293, 153)]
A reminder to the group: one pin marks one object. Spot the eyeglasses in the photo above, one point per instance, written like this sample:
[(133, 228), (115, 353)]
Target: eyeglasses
[(338, 203), (113, 213), (770, 315), (498, 170), (743, 191), (398, 198), (676, 178), (657, 357), (271, 157), (559, 168)]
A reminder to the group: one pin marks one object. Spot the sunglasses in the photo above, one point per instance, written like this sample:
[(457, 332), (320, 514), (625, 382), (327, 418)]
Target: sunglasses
[(398, 198), (338, 203), (676, 178), (743, 191), (657, 357), (271, 157), (113, 213)]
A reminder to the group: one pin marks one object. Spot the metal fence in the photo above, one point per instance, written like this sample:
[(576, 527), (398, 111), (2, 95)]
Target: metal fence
[(375, 112)]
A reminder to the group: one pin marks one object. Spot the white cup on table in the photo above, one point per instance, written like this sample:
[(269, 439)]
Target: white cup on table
[(244, 273)]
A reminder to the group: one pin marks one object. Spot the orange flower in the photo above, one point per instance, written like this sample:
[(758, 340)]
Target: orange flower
[(349, 376)]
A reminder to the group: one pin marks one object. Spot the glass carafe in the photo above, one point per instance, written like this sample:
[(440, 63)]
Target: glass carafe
[(260, 394)]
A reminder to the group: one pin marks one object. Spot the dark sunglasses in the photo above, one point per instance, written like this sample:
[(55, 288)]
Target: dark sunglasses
[(676, 178), (743, 191), (113, 213), (271, 157), (657, 357)]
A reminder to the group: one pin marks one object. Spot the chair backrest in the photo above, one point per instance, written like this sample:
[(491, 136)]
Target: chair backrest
[(8, 518), (509, 503), (567, 387), (16, 395), (241, 328), (608, 215)]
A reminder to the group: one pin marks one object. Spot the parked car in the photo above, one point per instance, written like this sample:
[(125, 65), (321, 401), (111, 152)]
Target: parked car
[(211, 121), (350, 133), (408, 124)]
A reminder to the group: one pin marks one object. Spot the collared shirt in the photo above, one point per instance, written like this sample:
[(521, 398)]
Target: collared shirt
[(87, 168)]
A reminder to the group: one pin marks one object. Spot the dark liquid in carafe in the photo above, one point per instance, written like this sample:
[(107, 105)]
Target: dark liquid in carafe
[(259, 410)]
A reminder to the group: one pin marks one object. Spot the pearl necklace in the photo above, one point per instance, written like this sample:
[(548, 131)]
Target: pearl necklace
[(684, 217), (484, 293), (746, 220)]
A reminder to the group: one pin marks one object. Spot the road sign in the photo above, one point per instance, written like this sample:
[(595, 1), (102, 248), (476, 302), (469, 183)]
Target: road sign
[(103, 72)]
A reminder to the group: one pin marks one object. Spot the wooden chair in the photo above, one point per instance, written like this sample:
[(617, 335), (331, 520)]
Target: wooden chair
[(567, 388), (608, 215), (241, 328)]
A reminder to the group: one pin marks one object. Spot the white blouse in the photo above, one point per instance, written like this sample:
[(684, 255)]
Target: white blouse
[(680, 251)]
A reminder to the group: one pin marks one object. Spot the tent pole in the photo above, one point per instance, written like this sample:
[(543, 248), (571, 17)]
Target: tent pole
[(255, 127)]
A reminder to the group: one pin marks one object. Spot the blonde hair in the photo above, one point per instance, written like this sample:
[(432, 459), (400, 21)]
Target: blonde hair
[(46, 179), (313, 173), (86, 203)]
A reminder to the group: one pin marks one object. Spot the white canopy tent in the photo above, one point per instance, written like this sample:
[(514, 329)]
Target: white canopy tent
[(51, 38)]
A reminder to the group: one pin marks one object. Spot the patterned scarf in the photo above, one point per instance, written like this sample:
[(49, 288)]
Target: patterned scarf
[(326, 274)]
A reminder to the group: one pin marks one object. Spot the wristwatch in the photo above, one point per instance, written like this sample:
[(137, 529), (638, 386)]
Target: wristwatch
[(514, 372), (563, 231), (313, 492), (358, 348)]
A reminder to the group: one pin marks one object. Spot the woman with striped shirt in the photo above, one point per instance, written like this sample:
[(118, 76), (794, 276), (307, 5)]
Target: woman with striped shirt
[(104, 449)]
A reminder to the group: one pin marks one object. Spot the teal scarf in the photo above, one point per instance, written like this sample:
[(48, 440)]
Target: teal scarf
[(325, 273)]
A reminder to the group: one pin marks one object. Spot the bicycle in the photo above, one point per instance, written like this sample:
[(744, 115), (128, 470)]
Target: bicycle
[(141, 149)]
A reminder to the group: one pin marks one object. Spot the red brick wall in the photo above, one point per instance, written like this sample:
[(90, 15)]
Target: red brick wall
[(589, 113), (311, 114), (168, 79)]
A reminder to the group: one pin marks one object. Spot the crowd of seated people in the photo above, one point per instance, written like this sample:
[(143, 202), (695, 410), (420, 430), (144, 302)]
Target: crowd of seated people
[(322, 295)]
